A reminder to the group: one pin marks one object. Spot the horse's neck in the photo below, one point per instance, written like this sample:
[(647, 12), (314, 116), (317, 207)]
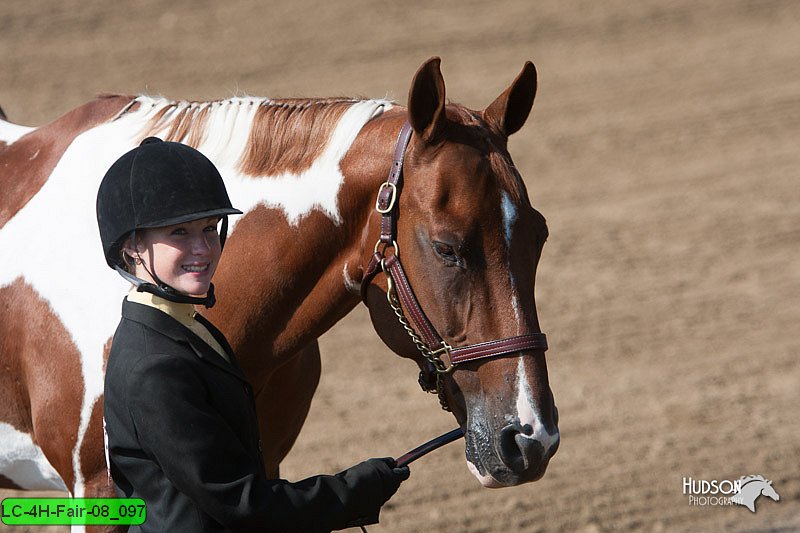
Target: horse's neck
[(301, 276)]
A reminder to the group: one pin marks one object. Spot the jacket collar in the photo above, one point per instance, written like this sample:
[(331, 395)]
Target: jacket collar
[(170, 327), (183, 313)]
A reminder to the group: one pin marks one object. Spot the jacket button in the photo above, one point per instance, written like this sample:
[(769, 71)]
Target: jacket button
[(259, 446)]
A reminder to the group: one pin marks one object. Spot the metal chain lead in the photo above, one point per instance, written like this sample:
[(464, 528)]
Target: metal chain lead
[(429, 355)]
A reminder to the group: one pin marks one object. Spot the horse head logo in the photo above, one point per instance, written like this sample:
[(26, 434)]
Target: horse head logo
[(751, 487)]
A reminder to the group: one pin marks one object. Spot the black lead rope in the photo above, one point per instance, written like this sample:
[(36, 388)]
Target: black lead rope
[(424, 449), (428, 447)]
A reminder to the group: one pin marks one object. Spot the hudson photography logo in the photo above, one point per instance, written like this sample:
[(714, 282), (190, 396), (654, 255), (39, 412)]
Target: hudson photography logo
[(743, 491)]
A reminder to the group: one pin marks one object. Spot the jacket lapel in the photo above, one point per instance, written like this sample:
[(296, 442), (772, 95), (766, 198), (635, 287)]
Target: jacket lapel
[(169, 327), (217, 334)]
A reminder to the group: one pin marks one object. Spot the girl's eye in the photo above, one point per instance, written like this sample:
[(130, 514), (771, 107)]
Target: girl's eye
[(179, 231), (210, 228)]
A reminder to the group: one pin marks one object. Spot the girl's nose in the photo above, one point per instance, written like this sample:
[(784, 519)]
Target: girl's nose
[(200, 244)]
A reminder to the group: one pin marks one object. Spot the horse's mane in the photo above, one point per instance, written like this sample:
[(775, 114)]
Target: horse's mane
[(260, 135)]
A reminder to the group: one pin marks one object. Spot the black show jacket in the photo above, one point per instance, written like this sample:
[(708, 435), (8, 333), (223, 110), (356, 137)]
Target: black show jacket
[(183, 436)]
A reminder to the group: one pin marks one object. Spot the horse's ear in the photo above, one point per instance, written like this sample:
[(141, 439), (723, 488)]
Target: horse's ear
[(510, 110), (426, 100)]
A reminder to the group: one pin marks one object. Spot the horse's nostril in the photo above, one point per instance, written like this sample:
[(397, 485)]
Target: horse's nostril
[(517, 449)]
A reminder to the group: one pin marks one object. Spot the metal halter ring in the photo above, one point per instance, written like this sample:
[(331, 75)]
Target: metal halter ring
[(385, 246)]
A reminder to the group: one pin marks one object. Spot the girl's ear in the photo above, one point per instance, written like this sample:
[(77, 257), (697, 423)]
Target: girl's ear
[(127, 246)]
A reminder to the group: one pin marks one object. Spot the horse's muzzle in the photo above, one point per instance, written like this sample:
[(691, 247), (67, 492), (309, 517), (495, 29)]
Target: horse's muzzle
[(511, 456), (524, 454)]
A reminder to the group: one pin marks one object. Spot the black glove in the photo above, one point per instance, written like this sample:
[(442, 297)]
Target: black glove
[(391, 475), (371, 485)]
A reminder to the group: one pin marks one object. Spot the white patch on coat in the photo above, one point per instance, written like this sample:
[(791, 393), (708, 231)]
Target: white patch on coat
[(9, 133), (55, 244), (314, 189), (24, 463), (353, 286), (528, 414), (56, 249)]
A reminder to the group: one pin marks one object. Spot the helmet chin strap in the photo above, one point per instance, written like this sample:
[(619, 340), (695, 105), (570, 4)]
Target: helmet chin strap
[(165, 291)]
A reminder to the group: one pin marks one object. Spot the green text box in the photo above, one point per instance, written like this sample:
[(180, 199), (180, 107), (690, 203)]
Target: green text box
[(77, 511)]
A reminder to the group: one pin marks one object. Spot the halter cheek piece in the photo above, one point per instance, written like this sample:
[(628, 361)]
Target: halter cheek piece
[(440, 357)]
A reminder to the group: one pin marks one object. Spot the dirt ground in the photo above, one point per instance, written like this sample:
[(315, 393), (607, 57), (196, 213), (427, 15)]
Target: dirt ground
[(663, 150)]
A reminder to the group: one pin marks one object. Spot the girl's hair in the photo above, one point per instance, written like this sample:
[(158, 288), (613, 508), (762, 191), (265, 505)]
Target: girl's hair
[(128, 262)]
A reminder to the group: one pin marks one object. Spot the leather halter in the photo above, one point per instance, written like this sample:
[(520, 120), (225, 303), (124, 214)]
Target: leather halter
[(440, 357)]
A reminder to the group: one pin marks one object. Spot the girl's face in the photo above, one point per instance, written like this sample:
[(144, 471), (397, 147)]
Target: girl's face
[(184, 256)]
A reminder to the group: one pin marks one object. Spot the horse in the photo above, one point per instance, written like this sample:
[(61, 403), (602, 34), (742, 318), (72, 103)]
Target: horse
[(306, 173), (751, 487)]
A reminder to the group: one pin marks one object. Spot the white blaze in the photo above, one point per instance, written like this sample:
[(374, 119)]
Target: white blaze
[(527, 412), (510, 215)]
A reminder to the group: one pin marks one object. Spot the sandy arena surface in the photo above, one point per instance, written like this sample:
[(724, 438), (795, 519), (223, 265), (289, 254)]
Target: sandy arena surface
[(663, 149)]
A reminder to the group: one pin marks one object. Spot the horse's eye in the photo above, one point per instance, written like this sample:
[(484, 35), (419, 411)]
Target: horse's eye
[(447, 253)]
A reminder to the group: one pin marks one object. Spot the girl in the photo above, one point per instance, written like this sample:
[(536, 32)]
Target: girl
[(180, 415)]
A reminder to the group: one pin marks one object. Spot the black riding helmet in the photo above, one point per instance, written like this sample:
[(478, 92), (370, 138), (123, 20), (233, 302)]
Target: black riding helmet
[(154, 185)]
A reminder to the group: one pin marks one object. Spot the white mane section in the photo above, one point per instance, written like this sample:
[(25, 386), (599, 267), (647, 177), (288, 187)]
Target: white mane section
[(225, 139), (54, 241), (227, 128)]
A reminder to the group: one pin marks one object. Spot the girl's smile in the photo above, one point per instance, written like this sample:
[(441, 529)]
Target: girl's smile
[(183, 256)]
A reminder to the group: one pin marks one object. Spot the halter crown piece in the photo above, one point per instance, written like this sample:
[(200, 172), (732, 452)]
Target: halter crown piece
[(440, 357), (154, 185)]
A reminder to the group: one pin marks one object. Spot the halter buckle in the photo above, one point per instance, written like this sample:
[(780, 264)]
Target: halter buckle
[(392, 197)]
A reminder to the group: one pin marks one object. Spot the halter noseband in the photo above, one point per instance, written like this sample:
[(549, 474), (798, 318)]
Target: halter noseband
[(440, 357)]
